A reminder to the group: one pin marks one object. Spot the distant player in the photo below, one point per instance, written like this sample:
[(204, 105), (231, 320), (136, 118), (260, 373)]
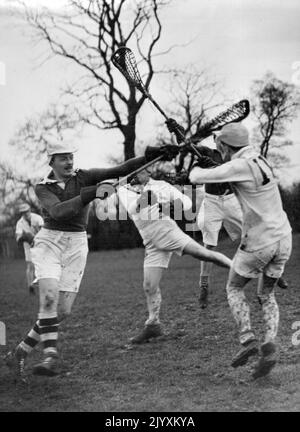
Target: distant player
[(149, 208), (266, 240), (27, 227), (219, 207), (60, 248)]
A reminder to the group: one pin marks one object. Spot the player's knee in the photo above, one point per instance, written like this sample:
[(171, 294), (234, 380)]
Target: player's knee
[(149, 286), (267, 289), (49, 301)]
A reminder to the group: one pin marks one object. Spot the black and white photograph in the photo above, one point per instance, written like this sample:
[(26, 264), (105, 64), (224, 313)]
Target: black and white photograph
[(149, 209)]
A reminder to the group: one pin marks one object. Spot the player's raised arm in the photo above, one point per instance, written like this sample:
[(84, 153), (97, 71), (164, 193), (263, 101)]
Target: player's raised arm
[(168, 152)]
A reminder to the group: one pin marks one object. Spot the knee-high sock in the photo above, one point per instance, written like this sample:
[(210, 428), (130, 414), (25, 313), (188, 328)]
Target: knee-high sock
[(153, 296), (49, 332), (270, 315), (241, 312), (32, 339)]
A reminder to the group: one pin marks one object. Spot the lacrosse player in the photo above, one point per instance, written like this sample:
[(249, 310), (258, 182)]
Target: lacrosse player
[(27, 227), (60, 248), (220, 207), (266, 240), (149, 208)]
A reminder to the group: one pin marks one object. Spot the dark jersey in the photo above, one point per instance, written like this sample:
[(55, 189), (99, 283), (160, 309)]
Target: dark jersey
[(62, 208), (215, 188)]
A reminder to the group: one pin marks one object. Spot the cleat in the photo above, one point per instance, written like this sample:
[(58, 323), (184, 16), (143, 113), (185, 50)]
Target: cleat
[(15, 361), (149, 331), (203, 297), (48, 367), (282, 283), (248, 350), (267, 360)]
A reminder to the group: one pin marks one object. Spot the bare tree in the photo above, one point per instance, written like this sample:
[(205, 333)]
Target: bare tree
[(87, 34), (31, 138), (275, 104), (194, 94)]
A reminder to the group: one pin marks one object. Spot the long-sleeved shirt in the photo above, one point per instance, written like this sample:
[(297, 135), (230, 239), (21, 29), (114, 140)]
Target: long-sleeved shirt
[(214, 188), (264, 220), (149, 219), (62, 208)]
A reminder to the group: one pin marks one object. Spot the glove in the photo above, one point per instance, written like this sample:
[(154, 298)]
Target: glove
[(168, 151), (27, 237), (205, 162), (176, 128), (88, 194), (147, 198)]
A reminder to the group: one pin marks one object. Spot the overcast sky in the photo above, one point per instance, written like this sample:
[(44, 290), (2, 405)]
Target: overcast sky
[(240, 39)]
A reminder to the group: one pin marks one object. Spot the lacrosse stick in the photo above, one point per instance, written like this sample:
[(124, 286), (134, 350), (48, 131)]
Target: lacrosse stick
[(236, 113), (124, 60)]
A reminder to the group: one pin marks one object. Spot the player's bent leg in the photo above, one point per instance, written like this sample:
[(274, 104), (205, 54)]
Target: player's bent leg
[(205, 271), (200, 252), (65, 303), (241, 312), (48, 327), (270, 311), (152, 329)]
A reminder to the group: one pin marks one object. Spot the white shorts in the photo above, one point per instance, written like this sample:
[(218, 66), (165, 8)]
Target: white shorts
[(270, 260), (218, 210), (164, 241), (60, 255)]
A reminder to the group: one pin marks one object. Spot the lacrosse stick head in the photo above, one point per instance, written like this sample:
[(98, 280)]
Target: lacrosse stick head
[(124, 60), (236, 113)]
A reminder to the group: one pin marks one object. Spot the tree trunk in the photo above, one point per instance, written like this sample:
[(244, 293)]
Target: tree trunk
[(129, 139)]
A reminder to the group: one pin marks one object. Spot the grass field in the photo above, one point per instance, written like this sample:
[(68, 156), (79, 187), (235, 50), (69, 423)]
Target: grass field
[(187, 370)]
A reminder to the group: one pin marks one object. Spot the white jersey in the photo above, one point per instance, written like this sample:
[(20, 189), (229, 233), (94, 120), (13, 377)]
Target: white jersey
[(32, 227), (264, 220), (150, 218)]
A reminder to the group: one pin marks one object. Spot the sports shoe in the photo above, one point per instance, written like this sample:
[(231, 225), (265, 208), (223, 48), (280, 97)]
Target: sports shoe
[(203, 297), (48, 367), (248, 350), (282, 283), (267, 360), (15, 360), (149, 331)]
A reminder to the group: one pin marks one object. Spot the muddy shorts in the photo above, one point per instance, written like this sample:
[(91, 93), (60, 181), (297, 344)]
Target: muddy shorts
[(270, 260), (163, 242), (218, 210), (60, 255)]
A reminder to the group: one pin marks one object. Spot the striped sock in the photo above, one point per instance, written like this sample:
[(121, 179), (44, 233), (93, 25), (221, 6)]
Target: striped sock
[(32, 339), (49, 333)]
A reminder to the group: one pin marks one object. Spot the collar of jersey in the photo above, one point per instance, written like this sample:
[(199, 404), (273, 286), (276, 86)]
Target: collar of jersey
[(49, 180), (242, 152)]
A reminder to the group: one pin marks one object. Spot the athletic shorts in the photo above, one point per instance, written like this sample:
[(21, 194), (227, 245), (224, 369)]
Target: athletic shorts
[(270, 260), (164, 241), (218, 210), (60, 255)]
